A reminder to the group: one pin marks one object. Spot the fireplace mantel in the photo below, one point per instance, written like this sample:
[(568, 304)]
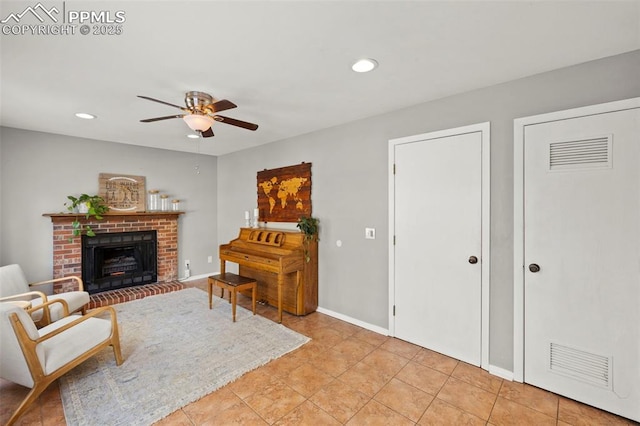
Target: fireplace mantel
[(67, 252), (73, 216)]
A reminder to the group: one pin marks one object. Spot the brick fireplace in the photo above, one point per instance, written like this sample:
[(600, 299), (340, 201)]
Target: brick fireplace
[(67, 255)]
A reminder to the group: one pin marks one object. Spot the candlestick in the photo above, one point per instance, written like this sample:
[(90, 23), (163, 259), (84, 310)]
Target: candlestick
[(256, 214), (247, 219)]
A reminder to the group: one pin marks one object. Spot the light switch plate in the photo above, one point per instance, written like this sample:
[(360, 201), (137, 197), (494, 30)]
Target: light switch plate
[(370, 233)]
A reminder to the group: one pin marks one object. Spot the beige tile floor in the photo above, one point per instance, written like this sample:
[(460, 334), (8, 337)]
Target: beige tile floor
[(349, 375)]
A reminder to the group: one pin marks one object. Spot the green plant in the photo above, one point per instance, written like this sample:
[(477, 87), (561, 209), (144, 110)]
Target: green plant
[(309, 227), (95, 207)]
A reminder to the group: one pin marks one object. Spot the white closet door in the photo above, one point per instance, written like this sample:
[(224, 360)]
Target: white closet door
[(582, 259), (438, 261)]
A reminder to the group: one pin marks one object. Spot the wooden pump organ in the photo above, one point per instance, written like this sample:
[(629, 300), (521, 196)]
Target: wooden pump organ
[(277, 259)]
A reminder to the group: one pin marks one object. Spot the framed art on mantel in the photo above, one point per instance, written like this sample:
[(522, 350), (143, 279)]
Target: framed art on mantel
[(284, 194), (123, 193)]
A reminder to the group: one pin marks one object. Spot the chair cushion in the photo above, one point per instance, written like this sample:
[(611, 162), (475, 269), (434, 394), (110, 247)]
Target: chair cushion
[(75, 300), (73, 342), (12, 280), (13, 366), (27, 323)]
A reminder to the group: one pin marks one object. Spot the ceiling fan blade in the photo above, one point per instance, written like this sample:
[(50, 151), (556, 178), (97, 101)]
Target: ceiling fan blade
[(151, 120), (234, 122), (221, 105), (207, 133), (163, 102)]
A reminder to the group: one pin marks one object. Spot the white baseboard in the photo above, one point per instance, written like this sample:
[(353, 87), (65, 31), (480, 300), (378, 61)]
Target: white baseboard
[(345, 318), (197, 277), (501, 372), (371, 327)]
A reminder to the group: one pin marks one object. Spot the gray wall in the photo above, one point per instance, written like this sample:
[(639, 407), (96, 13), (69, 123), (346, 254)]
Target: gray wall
[(38, 171), (350, 175)]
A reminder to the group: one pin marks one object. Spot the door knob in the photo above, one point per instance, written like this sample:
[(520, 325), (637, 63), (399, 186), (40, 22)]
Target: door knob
[(534, 267), (473, 260)]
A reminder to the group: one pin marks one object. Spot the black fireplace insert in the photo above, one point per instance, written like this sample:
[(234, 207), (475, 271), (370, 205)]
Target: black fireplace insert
[(118, 260)]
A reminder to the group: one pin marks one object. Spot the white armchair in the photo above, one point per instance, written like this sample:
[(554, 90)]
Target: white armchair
[(35, 358), (14, 287)]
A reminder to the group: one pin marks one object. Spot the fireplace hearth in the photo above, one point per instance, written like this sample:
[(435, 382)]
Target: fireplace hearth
[(118, 260)]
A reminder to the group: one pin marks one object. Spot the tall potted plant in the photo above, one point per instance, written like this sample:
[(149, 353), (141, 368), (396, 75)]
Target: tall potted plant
[(309, 227), (88, 205)]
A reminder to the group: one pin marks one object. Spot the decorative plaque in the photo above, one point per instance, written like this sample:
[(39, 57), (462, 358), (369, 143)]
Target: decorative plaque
[(123, 193)]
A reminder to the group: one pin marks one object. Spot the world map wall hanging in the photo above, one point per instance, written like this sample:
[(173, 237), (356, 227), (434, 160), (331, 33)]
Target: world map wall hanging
[(284, 194)]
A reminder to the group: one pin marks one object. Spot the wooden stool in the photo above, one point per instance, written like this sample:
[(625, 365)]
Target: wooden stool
[(233, 283)]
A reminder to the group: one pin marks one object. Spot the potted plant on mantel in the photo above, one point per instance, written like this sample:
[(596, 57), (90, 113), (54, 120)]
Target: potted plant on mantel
[(309, 227), (88, 205)]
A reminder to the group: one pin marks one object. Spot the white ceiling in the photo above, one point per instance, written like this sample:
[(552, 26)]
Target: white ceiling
[(286, 64)]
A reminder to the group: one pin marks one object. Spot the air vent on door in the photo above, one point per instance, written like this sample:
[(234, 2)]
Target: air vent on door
[(581, 365), (581, 154)]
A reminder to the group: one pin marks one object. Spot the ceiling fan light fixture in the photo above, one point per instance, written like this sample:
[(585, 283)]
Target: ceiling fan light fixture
[(198, 122), (365, 65)]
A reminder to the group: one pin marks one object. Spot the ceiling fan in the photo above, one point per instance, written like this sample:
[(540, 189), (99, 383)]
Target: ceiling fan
[(200, 113)]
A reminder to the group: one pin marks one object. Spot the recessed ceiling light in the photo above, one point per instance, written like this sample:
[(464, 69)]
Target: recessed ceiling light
[(364, 65), (85, 115), (193, 136)]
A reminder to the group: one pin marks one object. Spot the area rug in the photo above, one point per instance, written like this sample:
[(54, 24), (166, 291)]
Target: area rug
[(175, 351)]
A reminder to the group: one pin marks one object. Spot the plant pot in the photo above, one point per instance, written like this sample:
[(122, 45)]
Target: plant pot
[(83, 208)]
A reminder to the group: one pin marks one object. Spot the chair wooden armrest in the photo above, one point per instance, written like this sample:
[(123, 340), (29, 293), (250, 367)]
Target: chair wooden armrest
[(46, 314), (45, 308), (55, 280), (21, 296)]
